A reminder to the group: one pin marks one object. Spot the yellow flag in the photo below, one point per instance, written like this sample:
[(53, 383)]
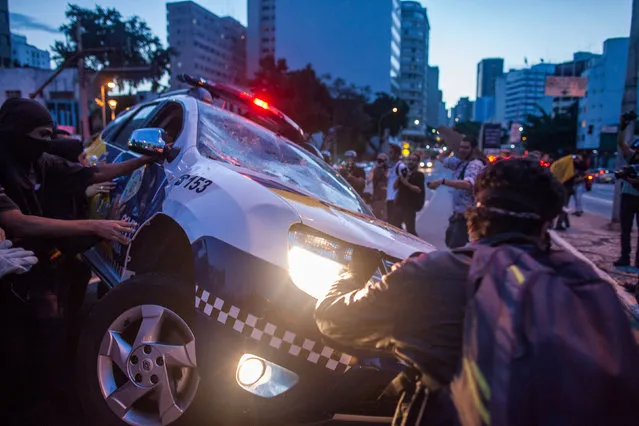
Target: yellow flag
[(564, 168)]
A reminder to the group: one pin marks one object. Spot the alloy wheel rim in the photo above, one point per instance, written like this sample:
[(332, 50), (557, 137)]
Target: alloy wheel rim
[(147, 371)]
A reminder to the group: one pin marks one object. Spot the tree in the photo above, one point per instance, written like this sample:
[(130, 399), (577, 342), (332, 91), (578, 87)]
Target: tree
[(114, 42), (379, 109), (299, 94), (553, 135)]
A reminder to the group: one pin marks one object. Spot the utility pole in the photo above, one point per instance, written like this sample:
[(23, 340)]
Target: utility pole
[(628, 103), (84, 117)]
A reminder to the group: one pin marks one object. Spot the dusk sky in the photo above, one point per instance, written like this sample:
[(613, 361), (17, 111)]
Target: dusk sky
[(462, 31)]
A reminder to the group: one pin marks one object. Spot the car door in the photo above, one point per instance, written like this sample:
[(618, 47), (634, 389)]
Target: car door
[(139, 195)]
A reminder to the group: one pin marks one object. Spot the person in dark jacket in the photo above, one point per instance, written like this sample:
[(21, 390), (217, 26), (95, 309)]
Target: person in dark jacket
[(410, 194), (416, 312)]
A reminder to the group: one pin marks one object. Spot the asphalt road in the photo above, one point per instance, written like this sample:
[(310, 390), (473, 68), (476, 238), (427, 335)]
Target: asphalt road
[(599, 200), (432, 220)]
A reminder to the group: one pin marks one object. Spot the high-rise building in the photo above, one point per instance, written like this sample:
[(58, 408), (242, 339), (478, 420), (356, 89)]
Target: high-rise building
[(207, 45), (434, 96), (25, 55), (484, 109), (356, 40), (413, 79), (463, 111), (601, 107), (5, 35), (487, 72), (524, 94)]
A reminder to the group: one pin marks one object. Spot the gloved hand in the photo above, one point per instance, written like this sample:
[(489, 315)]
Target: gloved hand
[(15, 260)]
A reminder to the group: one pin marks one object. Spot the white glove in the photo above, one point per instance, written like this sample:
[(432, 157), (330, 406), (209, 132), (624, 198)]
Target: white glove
[(15, 260)]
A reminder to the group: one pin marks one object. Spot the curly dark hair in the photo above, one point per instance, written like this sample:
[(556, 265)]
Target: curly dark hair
[(520, 186)]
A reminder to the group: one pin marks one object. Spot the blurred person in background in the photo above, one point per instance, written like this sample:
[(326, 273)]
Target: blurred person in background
[(466, 164), (629, 209), (379, 177), (353, 173), (581, 169), (411, 193), (396, 167)]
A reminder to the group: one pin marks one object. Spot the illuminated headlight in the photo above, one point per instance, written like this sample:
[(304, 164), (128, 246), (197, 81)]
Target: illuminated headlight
[(315, 263), (262, 377), (421, 164), (429, 165)]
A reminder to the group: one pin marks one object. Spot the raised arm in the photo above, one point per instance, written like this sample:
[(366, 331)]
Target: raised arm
[(106, 172)]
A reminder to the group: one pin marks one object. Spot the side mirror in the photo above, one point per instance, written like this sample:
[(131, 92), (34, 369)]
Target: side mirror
[(153, 142)]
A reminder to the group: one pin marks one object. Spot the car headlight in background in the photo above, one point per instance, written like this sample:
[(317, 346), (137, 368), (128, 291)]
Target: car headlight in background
[(315, 262), (429, 165)]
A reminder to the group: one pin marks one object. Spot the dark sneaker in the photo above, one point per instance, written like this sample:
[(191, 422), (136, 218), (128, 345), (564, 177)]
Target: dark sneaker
[(578, 214), (622, 263), (561, 228)]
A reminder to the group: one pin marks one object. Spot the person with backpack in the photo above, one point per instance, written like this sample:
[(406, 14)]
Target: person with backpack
[(504, 331), (465, 165), (411, 193)]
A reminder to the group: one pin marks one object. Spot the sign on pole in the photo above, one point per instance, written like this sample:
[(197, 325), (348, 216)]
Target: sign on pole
[(573, 87), (491, 136)]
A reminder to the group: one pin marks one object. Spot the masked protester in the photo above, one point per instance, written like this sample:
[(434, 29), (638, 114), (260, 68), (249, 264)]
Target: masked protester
[(30, 178)]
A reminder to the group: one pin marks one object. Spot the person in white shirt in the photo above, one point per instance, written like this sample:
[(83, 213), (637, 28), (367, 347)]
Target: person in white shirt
[(395, 168)]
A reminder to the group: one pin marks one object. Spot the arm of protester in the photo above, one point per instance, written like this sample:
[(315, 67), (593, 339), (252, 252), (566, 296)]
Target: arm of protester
[(100, 188), (365, 317), (451, 137), (105, 172), (23, 226), (459, 184)]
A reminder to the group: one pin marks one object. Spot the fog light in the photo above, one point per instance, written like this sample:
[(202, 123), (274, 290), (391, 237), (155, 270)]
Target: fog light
[(250, 370), (262, 377)]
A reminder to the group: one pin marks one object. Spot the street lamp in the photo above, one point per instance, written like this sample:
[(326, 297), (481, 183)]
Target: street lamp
[(110, 85), (379, 124), (416, 122), (112, 104)]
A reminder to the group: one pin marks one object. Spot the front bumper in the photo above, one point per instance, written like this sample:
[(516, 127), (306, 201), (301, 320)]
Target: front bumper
[(248, 306)]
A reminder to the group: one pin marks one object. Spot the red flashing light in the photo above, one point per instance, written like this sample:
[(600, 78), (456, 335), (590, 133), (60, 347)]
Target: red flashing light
[(601, 172), (260, 103)]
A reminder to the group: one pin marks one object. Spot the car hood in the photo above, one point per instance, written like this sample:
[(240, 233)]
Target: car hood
[(354, 228)]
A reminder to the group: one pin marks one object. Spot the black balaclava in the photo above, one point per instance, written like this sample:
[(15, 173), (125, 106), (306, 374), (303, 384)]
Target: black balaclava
[(69, 149), (18, 117)]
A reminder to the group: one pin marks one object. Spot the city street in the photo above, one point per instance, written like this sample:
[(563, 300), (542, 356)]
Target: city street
[(432, 220)]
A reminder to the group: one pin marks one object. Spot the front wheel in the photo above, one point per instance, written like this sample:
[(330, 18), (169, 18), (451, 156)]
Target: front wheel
[(136, 354)]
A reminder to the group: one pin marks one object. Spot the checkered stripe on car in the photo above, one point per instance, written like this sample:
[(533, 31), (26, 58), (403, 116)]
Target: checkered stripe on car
[(276, 337)]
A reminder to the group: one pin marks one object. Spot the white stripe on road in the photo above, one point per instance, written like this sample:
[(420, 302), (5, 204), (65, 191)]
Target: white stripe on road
[(598, 200)]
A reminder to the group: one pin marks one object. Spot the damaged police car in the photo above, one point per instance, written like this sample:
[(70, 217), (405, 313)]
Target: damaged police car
[(208, 313)]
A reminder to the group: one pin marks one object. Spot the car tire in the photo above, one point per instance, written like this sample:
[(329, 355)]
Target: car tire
[(152, 296)]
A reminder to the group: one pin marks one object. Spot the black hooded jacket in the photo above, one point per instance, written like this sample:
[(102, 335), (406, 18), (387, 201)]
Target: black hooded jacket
[(34, 179)]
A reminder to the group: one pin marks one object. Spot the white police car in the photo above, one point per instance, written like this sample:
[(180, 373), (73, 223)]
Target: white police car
[(208, 315)]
